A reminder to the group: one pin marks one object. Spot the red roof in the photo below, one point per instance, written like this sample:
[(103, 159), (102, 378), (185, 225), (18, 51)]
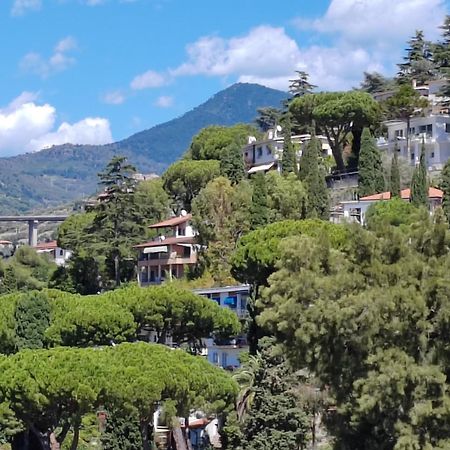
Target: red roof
[(46, 245), (405, 195), (172, 221), (168, 241)]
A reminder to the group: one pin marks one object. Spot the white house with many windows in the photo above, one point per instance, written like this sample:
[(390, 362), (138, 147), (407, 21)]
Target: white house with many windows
[(433, 131), (267, 154), (225, 353)]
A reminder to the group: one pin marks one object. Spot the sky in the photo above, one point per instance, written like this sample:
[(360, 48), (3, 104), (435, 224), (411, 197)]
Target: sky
[(97, 71)]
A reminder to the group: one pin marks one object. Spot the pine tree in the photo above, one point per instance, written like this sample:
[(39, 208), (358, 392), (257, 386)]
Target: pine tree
[(289, 161), (395, 175), (232, 163), (371, 180), (445, 186), (419, 185), (259, 211), (312, 173), (301, 86)]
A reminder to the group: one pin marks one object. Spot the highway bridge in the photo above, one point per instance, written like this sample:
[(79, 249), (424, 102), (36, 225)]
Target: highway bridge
[(33, 222)]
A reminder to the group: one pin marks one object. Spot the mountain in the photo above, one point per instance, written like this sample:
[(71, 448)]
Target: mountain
[(67, 172)]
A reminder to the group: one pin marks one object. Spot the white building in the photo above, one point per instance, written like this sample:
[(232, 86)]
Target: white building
[(433, 130), (355, 210), (59, 255), (267, 154), (226, 353)]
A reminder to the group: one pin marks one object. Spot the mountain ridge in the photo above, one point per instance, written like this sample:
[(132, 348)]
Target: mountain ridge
[(67, 172)]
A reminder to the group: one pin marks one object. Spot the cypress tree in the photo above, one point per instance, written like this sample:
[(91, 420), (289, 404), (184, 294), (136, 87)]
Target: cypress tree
[(232, 164), (371, 180), (445, 186), (395, 175), (419, 185), (312, 173), (289, 161), (259, 211)]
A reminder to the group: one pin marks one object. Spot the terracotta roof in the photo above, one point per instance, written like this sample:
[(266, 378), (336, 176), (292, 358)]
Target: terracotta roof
[(5, 242), (405, 195), (172, 221), (46, 245), (168, 241)]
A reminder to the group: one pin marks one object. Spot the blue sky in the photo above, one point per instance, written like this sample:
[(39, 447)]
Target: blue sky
[(93, 71)]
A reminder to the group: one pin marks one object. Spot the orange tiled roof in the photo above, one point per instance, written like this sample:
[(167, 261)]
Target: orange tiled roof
[(405, 195), (46, 245), (172, 221)]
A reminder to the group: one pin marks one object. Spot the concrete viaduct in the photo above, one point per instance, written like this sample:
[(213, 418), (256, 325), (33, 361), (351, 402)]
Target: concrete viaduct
[(33, 222)]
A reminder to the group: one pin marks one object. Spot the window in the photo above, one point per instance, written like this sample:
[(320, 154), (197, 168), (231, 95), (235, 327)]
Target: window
[(231, 300), (186, 252), (216, 298), (244, 302), (428, 129), (224, 359), (269, 151), (259, 151), (181, 231), (432, 154), (398, 133), (215, 358), (412, 130), (447, 127), (413, 156)]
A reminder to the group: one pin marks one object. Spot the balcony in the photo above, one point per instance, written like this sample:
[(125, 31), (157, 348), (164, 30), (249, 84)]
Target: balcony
[(170, 260)]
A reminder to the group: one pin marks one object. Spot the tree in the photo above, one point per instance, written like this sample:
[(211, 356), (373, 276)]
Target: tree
[(445, 186), (403, 105), (395, 175), (419, 184), (259, 211), (289, 161), (152, 200), (371, 180), (268, 118), (118, 222), (184, 179), (418, 63), (336, 114), (394, 212), (300, 86), (375, 82), (232, 163), (311, 172), (32, 317), (211, 142)]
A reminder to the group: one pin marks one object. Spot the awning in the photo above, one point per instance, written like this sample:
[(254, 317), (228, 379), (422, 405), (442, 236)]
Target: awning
[(262, 167), (160, 249)]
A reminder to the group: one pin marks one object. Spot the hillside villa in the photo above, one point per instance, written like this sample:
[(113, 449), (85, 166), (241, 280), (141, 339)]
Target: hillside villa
[(57, 254), (170, 253), (355, 210)]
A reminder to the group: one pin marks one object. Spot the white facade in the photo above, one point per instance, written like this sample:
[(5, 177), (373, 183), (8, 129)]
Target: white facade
[(433, 130), (267, 154), (225, 354), (59, 255)]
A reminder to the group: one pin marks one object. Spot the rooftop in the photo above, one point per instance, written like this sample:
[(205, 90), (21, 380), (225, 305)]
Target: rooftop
[(46, 245), (405, 194), (173, 221)]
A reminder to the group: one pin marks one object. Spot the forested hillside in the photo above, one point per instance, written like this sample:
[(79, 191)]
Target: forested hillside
[(67, 172)]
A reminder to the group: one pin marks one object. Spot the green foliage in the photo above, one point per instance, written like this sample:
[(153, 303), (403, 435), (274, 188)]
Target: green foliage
[(370, 180), (395, 176), (259, 211), (152, 200), (32, 317), (312, 174), (419, 183), (268, 118), (334, 114), (289, 161), (369, 320), (212, 142), (184, 179), (300, 86), (404, 103), (258, 252), (221, 216), (287, 197), (375, 82), (394, 212), (445, 186), (232, 163), (122, 431)]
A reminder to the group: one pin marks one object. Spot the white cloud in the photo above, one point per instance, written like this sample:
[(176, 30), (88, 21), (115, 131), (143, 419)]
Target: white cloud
[(114, 97), (58, 61), (149, 79), (164, 101), (382, 22), (20, 7), (27, 126)]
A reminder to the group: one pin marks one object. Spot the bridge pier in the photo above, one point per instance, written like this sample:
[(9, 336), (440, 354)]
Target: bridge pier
[(33, 232)]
